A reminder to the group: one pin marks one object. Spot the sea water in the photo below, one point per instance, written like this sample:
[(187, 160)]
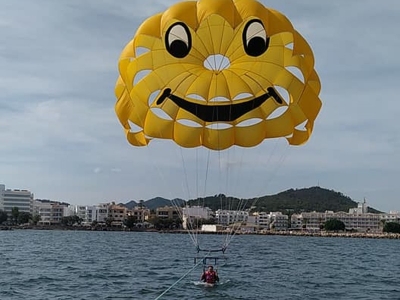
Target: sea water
[(40, 265)]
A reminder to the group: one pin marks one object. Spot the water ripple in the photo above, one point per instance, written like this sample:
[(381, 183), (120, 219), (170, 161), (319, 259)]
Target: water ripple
[(63, 265)]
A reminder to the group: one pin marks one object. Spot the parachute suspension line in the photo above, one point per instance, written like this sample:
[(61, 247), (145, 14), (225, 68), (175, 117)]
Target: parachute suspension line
[(207, 170), (229, 193), (189, 226), (183, 277), (232, 183), (206, 175), (278, 165), (281, 160)]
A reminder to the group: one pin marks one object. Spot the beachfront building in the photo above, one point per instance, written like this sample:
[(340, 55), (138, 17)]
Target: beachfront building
[(272, 220), (353, 220), (278, 221), (101, 212), (358, 219), (168, 212), (89, 214), (141, 214), (80, 211), (228, 217), (21, 199), (362, 208), (195, 213), (310, 220), (117, 214), (392, 216), (50, 212)]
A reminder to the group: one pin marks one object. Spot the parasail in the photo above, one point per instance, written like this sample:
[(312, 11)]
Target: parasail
[(217, 74), (214, 74)]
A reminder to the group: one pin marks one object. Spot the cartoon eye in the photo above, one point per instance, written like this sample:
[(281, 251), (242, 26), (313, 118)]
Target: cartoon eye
[(178, 40), (255, 39)]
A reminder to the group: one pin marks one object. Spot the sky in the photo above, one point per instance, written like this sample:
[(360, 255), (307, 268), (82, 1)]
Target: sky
[(60, 137)]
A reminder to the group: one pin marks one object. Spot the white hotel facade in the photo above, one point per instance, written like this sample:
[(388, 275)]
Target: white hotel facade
[(356, 219), (22, 199)]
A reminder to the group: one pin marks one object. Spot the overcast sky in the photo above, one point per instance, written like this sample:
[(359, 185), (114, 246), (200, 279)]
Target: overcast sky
[(60, 137)]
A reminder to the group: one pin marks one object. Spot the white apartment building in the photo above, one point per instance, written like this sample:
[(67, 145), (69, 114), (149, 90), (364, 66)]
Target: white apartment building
[(102, 212), (80, 211), (21, 199), (356, 219), (228, 217), (191, 214), (362, 208), (50, 212), (272, 220), (278, 221), (89, 214)]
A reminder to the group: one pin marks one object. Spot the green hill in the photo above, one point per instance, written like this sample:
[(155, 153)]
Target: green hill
[(290, 201)]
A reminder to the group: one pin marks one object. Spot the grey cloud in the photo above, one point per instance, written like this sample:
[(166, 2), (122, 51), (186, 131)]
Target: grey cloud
[(58, 66)]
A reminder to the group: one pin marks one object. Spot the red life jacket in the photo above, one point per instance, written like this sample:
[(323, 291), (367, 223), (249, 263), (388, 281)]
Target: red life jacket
[(210, 277)]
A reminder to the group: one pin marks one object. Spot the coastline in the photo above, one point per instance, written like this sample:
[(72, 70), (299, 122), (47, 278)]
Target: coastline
[(365, 235), (375, 235)]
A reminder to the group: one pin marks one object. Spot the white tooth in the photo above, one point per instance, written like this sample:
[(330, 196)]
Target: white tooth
[(249, 122), (140, 75), (219, 126), (189, 123), (141, 50), (302, 126), (283, 93), (134, 128), (160, 113), (296, 73), (153, 96), (289, 136), (219, 99), (195, 97), (243, 96), (289, 46), (277, 112)]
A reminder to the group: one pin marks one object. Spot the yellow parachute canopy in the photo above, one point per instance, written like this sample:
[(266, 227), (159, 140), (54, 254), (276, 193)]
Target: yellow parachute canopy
[(216, 74)]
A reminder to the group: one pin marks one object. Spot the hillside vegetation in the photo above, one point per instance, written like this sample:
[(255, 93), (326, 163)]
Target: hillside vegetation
[(290, 201)]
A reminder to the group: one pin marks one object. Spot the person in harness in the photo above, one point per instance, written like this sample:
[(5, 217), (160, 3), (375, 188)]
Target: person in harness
[(210, 276)]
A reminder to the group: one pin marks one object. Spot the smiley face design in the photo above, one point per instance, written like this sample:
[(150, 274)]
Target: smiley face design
[(217, 74)]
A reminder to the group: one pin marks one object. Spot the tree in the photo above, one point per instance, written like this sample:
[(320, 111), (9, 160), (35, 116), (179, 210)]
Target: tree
[(3, 216), (382, 224), (76, 220), (130, 221), (109, 221), (334, 225), (66, 221), (71, 220), (392, 227), (15, 214), (305, 222), (36, 218), (162, 223), (23, 217)]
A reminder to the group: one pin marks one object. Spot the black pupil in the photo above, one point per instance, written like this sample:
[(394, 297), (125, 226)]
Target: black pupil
[(178, 48), (256, 46)]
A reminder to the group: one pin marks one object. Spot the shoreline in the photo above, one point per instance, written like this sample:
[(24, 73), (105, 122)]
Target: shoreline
[(368, 235)]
